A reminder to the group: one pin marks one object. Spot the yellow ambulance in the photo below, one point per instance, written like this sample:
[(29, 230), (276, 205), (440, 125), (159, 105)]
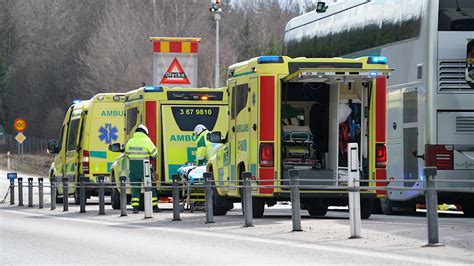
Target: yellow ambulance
[(170, 114), (88, 129), (300, 113)]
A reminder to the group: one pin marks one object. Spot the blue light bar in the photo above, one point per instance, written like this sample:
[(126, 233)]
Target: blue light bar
[(269, 59), (152, 89), (382, 60), (76, 101)]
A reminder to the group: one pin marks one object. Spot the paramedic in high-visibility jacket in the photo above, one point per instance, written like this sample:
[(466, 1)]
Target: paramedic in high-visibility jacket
[(204, 147), (140, 148)]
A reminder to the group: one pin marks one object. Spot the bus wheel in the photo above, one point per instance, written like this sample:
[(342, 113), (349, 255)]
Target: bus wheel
[(387, 206), (366, 207), (258, 207), (316, 208), (468, 209), (115, 199)]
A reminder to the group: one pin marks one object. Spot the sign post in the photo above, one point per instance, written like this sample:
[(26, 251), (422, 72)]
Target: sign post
[(353, 183), (20, 125)]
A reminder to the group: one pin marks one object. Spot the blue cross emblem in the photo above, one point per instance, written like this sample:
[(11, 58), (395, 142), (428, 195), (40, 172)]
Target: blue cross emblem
[(108, 133)]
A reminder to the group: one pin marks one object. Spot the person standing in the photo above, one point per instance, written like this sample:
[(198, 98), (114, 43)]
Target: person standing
[(140, 148), (204, 147)]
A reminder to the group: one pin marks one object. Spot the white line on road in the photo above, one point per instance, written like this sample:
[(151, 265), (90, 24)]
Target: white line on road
[(311, 246)]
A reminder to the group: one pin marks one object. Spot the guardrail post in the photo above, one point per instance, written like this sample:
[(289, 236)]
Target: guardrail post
[(123, 196), (100, 179), (247, 204), (208, 179), (353, 183), (431, 198), (175, 193), (12, 191), (40, 193), (65, 194), (20, 191), (30, 191), (82, 194), (52, 182), (295, 199)]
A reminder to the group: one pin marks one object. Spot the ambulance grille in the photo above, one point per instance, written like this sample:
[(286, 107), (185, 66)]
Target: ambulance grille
[(452, 76), (464, 124)]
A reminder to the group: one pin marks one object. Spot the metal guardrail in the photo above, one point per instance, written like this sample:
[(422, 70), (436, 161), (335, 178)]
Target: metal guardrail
[(246, 183)]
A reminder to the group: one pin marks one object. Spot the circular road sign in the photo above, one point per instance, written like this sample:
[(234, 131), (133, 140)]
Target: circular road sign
[(19, 124)]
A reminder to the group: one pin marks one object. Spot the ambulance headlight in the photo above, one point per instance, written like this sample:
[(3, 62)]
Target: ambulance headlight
[(382, 60)]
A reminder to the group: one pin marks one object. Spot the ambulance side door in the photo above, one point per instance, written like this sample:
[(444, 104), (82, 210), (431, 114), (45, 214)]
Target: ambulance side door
[(241, 128), (231, 140)]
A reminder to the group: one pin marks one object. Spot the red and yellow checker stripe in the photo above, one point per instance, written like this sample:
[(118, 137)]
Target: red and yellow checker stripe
[(175, 45)]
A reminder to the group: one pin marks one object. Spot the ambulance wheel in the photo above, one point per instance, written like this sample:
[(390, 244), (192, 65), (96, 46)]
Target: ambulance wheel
[(115, 199), (258, 207), (366, 207), (316, 208), (58, 199), (219, 204)]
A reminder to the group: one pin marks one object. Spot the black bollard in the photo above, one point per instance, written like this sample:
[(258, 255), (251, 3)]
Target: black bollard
[(100, 179), (40, 193), (12, 191), (123, 196), (65, 194), (175, 193), (20, 191), (82, 194), (52, 182), (208, 179), (30, 191)]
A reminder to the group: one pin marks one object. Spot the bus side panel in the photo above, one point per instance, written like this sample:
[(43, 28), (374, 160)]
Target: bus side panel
[(380, 128), (267, 127)]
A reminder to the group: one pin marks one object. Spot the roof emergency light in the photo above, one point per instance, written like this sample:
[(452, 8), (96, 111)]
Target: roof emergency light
[(152, 89), (382, 60), (76, 101), (269, 59)]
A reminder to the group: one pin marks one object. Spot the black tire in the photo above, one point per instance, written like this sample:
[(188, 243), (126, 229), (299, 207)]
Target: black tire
[(219, 204), (366, 208), (115, 199), (387, 206), (316, 208), (468, 209), (258, 207), (58, 199), (377, 207)]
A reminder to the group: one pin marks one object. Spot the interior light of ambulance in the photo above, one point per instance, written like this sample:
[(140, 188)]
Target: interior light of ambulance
[(268, 59), (382, 60), (152, 89)]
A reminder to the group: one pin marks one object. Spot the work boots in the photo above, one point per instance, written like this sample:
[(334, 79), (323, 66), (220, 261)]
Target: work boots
[(156, 209)]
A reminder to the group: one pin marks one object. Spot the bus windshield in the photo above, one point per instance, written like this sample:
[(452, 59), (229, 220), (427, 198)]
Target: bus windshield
[(456, 15)]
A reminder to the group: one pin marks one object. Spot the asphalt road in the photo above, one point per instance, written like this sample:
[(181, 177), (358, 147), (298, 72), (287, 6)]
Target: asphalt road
[(33, 236)]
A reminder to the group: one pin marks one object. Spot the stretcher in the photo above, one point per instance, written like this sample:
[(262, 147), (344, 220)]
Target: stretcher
[(193, 190), (297, 144)]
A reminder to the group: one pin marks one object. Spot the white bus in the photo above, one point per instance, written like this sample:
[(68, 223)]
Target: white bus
[(430, 99)]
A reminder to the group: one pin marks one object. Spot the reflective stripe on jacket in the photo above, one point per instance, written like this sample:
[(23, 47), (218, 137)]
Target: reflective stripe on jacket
[(140, 147), (204, 148)]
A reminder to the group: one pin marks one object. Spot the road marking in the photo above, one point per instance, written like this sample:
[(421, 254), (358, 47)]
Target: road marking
[(255, 239)]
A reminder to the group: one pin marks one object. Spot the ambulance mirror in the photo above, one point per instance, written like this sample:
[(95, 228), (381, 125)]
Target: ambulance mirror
[(53, 147), (116, 147), (215, 137)]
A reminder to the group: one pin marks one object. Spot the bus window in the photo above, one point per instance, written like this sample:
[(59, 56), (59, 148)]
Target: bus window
[(456, 15)]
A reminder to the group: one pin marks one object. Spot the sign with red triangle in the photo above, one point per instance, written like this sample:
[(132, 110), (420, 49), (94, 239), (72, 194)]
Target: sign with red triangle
[(175, 74)]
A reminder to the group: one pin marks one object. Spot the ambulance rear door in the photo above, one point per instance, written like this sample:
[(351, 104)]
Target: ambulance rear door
[(178, 122)]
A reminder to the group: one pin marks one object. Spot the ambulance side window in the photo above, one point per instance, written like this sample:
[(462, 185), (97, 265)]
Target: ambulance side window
[(60, 140), (72, 135), (131, 118), (242, 92)]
